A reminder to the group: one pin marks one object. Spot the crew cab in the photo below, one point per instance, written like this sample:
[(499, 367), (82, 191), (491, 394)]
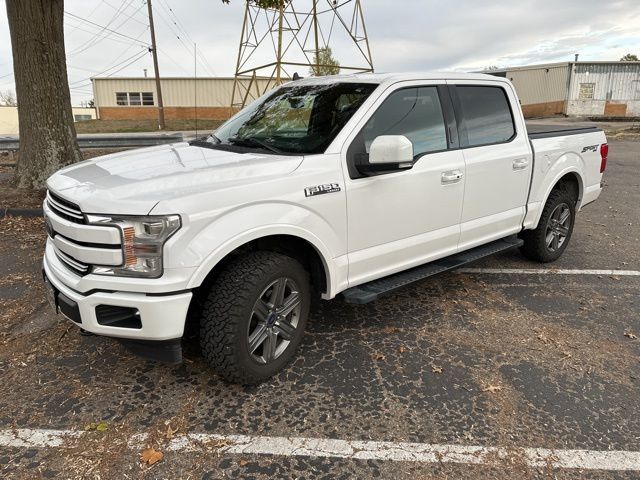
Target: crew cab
[(351, 185)]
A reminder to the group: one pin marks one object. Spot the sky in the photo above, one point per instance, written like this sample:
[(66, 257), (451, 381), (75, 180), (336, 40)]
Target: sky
[(404, 35)]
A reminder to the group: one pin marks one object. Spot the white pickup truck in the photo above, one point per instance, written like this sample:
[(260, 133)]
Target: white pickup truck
[(354, 185)]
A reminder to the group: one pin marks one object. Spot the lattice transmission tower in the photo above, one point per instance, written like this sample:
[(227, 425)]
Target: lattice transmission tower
[(277, 42)]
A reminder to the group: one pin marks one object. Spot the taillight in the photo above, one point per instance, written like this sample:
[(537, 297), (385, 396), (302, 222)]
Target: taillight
[(604, 153)]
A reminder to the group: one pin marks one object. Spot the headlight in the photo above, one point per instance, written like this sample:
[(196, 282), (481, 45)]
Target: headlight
[(142, 241)]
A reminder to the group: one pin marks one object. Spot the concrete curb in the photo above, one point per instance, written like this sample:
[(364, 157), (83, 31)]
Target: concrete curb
[(20, 212)]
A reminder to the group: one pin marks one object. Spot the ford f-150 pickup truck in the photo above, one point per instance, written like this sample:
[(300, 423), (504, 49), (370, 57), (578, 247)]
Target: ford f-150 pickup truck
[(354, 185)]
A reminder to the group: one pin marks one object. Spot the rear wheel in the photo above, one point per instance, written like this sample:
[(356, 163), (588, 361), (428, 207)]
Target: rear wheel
[(550, 239), (254, 316)]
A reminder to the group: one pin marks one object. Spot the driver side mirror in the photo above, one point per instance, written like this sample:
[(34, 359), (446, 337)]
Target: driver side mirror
[(391, 149)]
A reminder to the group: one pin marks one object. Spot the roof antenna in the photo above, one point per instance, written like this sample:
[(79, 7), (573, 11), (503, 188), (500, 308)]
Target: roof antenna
[(296, 76), (195, 84)]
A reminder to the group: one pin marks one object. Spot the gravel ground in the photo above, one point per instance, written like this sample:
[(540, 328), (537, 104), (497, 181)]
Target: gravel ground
[(466, 359)]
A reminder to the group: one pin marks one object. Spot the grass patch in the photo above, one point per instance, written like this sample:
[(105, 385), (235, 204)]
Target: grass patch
[(136, 126)]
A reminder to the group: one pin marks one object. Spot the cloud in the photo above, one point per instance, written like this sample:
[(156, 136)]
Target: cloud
[(405, 35)]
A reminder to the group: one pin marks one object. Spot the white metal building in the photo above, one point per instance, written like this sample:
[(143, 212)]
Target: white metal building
[(609, 89)]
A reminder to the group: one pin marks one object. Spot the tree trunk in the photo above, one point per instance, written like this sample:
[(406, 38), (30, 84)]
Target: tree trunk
[(47, 133)]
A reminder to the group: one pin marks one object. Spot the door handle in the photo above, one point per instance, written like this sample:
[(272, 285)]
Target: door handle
[(520, 164), (452, 176)]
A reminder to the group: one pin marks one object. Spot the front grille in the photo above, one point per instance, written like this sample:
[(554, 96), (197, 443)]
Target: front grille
[(71, 263), (64, 208), (76, 243)]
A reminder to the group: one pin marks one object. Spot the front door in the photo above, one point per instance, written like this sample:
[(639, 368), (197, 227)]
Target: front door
[(404, 218)]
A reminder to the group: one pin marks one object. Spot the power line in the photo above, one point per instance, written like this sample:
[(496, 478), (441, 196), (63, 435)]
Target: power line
[(111, 39), (203, 60), (93, 40), (139, 55), (130, 16), (103, 28), (177, 35)]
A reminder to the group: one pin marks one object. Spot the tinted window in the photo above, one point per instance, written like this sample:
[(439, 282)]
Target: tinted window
[(413, 112), (486, 114)]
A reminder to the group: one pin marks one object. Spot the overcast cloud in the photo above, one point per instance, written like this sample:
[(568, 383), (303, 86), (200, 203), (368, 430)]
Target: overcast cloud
[(405, 35)]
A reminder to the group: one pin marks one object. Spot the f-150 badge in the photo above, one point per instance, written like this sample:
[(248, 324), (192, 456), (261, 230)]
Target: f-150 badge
[(321, 189)]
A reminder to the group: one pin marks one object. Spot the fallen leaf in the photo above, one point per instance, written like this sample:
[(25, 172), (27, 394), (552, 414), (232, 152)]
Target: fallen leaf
[(98, 427), (377, 356), (567, 355), (436, 369), (170, 432), (218, 444), (242, 462), (492, 388), (151, 456), (390, 330), (630, 335), (402, 349)]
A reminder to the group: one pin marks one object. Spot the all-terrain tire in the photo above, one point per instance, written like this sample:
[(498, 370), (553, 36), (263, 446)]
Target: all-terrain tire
[(228, 309), (535, 241)]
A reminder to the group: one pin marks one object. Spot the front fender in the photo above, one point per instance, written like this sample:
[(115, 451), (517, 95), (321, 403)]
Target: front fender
[(245, 224)]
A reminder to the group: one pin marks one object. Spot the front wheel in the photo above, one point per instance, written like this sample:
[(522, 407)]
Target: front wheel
[(550, 239), (254, 316)]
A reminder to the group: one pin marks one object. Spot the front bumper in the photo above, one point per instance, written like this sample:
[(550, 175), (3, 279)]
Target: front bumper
[(160, 317)]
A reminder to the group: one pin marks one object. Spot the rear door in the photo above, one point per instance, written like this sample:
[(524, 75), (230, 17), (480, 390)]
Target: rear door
[(402, 218), (498, 160)]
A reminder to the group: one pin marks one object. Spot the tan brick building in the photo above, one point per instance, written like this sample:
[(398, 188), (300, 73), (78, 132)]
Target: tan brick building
[(131, 98)]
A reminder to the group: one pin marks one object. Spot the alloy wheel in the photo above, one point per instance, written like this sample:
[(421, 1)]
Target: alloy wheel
[(274, 320)]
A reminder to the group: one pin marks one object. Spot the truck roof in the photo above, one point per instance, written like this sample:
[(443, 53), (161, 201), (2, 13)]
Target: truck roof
[(380, 78)]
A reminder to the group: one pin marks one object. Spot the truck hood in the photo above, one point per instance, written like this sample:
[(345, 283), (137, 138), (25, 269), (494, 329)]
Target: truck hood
[(133, 182)]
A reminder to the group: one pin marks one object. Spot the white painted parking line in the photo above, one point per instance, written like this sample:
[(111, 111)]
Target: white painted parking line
[(350, 449), (36, 438), (552, 271)]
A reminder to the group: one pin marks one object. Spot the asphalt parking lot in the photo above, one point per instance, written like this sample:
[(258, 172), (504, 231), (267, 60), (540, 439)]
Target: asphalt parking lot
[(504, 361)]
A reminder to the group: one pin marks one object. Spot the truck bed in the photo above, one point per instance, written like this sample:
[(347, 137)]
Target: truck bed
[(547, 131)]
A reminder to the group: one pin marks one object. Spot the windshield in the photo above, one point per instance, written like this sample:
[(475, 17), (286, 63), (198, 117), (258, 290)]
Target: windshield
[(295, 119)]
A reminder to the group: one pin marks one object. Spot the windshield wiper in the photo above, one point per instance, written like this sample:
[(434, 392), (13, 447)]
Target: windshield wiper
[(253, 142), (209, 141)]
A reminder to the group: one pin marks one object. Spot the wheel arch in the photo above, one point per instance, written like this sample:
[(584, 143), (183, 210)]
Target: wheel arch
[(571, 178), (291, 241)]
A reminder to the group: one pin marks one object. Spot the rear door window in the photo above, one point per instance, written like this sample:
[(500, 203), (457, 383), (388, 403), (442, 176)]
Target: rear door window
[(487, 115)]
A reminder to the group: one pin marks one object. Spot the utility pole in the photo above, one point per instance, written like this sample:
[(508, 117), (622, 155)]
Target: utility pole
[(154, 51)]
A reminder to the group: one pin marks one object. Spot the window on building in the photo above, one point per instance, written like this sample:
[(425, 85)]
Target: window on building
[(587, 91), (413, 112), (81, 118), (121, 98), (135, 98), (147, 98), (487, 115)]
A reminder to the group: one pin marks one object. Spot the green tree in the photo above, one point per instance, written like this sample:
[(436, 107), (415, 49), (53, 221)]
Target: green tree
[(325, 64), (629, 57)]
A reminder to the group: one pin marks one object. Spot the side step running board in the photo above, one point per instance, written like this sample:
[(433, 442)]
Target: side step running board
[(368, 292)]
